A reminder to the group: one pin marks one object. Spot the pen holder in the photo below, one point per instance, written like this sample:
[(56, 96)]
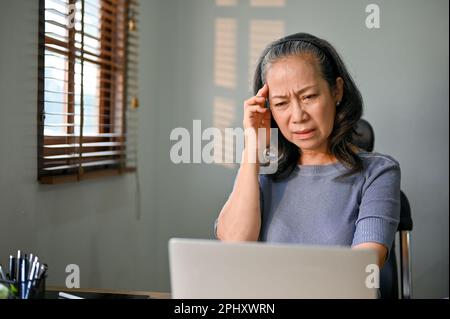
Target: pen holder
[(25, 278), (38, 292), (11, 289)]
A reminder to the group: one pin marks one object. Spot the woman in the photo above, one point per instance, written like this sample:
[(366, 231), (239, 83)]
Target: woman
[(326, 191)]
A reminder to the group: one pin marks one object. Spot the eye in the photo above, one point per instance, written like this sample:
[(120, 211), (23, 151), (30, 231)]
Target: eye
[(280, 104), (309, 97)]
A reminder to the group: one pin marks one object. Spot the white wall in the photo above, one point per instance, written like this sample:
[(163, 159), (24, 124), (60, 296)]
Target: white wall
[(402, 71)]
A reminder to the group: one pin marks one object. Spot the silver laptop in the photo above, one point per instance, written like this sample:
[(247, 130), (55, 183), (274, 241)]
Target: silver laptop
[(210, 269)]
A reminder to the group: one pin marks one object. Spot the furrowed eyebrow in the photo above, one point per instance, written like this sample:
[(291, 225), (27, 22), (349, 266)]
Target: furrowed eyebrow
[(298, 92)]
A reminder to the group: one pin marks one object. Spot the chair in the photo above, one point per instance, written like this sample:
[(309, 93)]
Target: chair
[(364, 138)]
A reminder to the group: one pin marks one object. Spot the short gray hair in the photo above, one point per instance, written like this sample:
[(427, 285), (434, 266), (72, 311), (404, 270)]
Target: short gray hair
[(288, 49)]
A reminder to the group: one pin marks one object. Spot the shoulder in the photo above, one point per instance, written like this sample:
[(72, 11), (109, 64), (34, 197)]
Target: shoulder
[(376, 164), (374, 159)]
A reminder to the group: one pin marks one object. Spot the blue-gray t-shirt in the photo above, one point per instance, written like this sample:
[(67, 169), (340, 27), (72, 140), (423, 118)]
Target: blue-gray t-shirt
[(313, 206)]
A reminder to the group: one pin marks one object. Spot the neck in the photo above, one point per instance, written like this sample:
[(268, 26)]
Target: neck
[(309, 157)]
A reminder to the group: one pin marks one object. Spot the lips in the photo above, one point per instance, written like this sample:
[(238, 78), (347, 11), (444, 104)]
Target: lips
[(303, 134), (305, 131)]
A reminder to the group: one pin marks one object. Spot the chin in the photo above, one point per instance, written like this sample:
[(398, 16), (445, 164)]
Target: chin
[(306, 145)]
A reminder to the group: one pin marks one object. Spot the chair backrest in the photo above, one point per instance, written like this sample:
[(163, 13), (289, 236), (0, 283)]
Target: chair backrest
[(405, 226), (406, 222), (364, 138)]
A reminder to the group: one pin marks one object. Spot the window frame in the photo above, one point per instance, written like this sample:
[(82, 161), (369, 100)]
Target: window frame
[(107, 106)]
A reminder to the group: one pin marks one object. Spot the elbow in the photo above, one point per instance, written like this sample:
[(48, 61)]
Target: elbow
[(236, 237), (380, 250), (232, 234)]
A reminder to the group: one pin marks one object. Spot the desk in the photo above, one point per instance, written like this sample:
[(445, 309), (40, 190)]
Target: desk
[(53, 290)]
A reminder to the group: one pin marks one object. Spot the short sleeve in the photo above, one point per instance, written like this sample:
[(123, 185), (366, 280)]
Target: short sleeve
[(379, 211)]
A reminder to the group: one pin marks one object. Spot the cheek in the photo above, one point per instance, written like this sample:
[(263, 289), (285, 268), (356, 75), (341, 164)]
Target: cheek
[(281, 119), (328, 116)]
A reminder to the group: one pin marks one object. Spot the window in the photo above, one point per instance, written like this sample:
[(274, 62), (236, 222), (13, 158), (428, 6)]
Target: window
[(87, 89)]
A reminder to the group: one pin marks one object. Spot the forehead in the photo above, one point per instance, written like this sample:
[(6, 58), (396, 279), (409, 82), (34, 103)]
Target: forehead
[(291, 73)]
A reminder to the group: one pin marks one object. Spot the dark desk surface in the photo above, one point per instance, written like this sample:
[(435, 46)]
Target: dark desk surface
[(90, 293)]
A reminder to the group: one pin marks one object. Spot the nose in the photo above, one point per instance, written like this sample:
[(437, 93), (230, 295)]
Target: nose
[(298, 114)]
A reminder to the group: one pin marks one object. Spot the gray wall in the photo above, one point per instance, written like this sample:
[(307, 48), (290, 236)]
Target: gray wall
[(93, 224), (402, 71)]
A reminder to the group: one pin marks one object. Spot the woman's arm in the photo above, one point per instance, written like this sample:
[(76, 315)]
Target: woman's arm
[(240, 218), (379, 210)]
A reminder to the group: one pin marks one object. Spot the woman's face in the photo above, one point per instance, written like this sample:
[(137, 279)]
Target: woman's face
[(302, 103)]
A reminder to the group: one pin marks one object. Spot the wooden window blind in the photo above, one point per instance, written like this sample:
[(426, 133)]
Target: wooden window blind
[(87, 91)]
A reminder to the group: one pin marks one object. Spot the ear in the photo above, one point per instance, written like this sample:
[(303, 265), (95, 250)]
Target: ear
[(339, 90)]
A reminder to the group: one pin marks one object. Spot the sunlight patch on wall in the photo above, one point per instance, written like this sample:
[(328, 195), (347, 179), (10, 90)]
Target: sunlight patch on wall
[(225, 53), (262, 32), (267, 3), (224, 115), (226, 3)]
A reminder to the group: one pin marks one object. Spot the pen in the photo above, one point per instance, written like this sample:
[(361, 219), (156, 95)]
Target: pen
[(42, 270), (36, 271), (2, 274), (68, 296), (30, 259), (22, 278), (31, 278), (27, 265), (20, 272), (12, 268), (17, 272)]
